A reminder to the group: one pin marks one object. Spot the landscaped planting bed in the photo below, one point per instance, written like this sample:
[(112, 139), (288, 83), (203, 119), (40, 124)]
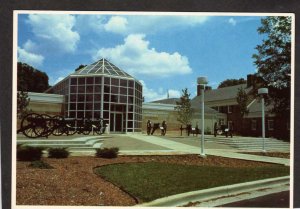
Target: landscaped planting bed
[(270, 154), (73, 180)]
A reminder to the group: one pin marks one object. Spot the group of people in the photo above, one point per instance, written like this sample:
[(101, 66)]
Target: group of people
[(151, 128)]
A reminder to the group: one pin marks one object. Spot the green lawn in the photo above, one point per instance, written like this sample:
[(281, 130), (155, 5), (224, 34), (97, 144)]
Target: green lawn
[(152, 180)]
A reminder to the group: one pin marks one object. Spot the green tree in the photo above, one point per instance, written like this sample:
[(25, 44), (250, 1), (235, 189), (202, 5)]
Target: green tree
[(273, 61), (184, 109), (242, 99), (31, 79), (22, 104), (79, 67), (231, 82)]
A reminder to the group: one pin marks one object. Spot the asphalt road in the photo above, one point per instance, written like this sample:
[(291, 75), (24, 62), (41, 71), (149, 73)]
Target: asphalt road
[(278, 200)]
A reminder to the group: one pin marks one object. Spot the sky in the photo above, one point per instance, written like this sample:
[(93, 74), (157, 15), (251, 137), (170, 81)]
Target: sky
[(166, 52)]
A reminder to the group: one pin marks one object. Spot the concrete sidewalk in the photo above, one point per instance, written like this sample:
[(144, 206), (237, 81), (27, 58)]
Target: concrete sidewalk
[(189, 149)]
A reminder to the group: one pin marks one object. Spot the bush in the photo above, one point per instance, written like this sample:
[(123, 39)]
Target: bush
[(27, 153), (40, 164), (107, 152), (58, 153)]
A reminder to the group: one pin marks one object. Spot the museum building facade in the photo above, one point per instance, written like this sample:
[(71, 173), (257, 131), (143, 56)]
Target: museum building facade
[(102, 90)]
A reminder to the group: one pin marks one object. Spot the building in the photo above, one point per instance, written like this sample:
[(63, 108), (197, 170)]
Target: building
[(160, 110), (224, 101), (102, 90)]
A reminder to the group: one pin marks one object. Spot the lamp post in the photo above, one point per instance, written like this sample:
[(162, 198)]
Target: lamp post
[(202, 81), (263, 92)]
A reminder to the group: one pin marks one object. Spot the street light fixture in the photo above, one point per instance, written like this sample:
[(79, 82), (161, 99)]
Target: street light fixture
[(202, 81), (262, 92)]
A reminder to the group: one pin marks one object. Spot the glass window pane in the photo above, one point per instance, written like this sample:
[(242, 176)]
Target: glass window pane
[(129, 125), (130, 116), (123, 91), (106, 97), (81, 81), (114, 90), (114, 98), (98, 80), (96, 115), (106, 80), (72, 114), (106, 106), (81, 89), (106, 89), (130, 91), (97, 97), (115, 81), (123, 99), (130, 100), (130, 84), (89, 106), (80, 114), (105, 114), (89, 89), (123, 83), (73, 89), (80, 98), (130, 108), (73, 81), (97, 106), (80, 106), (72, 106), (97, 89), (73, 98), (89, 97), (90, 80)]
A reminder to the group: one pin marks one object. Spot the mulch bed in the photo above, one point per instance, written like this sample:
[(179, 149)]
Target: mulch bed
[(270, 154), (73, 182)]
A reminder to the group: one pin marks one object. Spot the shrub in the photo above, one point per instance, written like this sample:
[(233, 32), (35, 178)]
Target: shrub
[(40, 164), (58, 153), (107, 152), (27, 153)]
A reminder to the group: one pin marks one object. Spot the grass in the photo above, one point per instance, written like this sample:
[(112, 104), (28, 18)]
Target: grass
[(149, 181)]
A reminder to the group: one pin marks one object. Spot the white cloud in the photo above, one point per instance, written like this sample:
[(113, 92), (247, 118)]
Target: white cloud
[(30, 58), (116, 24), (136, 57), (55, 30), (174, 93), (128, 24), (232, 21), (153, 95)]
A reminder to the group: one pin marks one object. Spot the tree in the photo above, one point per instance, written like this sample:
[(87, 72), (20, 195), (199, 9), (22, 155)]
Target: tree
[(242, 99), (231, 82), (31, 79), (79, 67), (273, 61), (184, 109), (22, 104)]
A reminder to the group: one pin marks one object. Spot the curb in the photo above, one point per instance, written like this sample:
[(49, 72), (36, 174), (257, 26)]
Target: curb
[(217, 192)]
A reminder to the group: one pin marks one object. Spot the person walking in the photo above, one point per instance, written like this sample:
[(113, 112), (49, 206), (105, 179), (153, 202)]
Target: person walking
[(164, 128), (149, 126)]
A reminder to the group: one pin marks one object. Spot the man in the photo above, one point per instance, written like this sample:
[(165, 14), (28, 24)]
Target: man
[(149, 126)]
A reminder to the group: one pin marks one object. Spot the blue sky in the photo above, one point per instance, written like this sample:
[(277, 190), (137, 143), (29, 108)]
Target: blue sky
[(165, 52)]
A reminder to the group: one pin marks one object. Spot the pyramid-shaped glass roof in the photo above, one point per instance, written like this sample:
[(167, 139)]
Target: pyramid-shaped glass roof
[(102, 67)]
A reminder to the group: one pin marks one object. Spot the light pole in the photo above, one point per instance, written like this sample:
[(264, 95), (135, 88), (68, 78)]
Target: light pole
[(263, 92), (202, 81)]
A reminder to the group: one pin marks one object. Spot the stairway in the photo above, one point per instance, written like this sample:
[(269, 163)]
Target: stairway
[(252, 143), (76, 146)]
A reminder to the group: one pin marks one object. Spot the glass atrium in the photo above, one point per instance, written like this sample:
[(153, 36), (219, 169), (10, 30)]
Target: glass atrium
[(102, 90)]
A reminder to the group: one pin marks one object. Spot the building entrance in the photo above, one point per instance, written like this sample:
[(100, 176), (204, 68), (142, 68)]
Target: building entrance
[(116, 122)]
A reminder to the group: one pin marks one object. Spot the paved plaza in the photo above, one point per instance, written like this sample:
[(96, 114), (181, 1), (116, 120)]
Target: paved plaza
[(141, 144)]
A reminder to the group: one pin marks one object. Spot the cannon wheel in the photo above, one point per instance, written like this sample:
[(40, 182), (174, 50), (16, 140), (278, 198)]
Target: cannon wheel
[(58, 126), (28, 125), (99, 130), (70, 128), (44, 129)]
